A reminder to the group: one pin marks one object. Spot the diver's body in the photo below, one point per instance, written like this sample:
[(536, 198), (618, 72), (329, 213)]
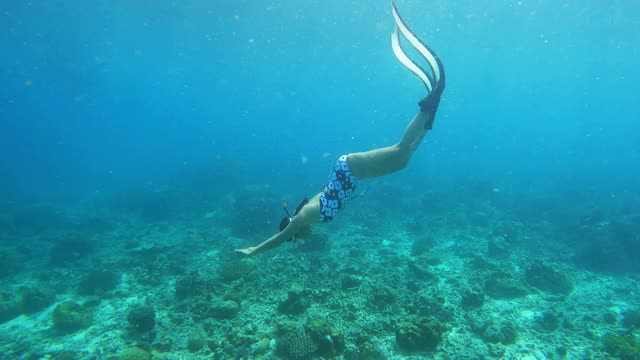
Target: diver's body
[(349, 169), (363, 165)]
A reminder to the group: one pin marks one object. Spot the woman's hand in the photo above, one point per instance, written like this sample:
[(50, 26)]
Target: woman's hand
[(248, 251)]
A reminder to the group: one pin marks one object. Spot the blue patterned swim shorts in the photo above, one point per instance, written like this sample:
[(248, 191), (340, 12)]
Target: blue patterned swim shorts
[(338, 190)]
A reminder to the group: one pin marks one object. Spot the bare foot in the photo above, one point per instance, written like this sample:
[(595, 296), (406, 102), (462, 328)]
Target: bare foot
[(247, 251)]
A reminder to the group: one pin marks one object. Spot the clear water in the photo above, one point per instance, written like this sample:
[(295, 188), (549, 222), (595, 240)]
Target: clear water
[(541, 95), (169, 132)]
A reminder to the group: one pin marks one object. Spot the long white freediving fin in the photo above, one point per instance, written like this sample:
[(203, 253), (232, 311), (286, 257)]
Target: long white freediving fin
[(429, 55)]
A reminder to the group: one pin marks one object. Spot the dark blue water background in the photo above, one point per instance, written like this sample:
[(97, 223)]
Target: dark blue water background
[(542, 96)]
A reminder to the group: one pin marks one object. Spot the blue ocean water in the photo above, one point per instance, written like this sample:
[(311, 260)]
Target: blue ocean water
[(209, 103), (541, 95)]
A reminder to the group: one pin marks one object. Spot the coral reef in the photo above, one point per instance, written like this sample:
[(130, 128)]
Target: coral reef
[(64, 355), (10, 307), (631, 319), (419, 334), (297, 345), (187, 286), (98, 282), (472, 298), (134, 353), (226, 309), (329, 340), (546, 278), (195, 341), (234, 269), (502, 286), (419, 270), (548, 322), (365, 349), (624, 347), (349, 281), (422, 245), (142, 318), (34, 299), (216, 309), (504, 333), (296, 302), (24, 300), (382, 296), (69, 316), (403, 288), (498, 247)]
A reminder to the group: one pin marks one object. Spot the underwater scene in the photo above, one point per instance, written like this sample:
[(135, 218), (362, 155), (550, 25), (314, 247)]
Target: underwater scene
[(288, 179)]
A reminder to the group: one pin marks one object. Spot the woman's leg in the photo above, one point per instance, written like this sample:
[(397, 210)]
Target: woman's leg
[(390, 159)]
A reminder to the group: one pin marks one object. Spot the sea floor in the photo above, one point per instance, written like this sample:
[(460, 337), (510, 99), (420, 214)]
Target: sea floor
[(478, 280)]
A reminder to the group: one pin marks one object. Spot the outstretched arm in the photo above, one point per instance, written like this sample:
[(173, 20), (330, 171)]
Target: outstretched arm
[(308, 215)]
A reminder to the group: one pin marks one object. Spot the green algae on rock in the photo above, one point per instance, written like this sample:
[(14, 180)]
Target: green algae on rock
[(98, 282), (624, 346), (549, 321), (365, 349), (546, 278), (225, 310), (142, 318), (234, 294), (25, 300), (134, 353), (330, 341), (501, 287), (498, 247), (10, 307), (70, 316), (349, 281), (472, 298), (419, 334), (35, 299), (420, 270), (234, 269), (499, 333), (195, 341), (631, 319), (422, 245), (382, 296), (296, 303), (187, 286)]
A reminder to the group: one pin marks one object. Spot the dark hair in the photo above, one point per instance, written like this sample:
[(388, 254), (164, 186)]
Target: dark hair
[(284, 222), (287, 219)]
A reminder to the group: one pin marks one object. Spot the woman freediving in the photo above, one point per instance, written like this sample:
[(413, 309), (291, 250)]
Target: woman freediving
[(349, 169)]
